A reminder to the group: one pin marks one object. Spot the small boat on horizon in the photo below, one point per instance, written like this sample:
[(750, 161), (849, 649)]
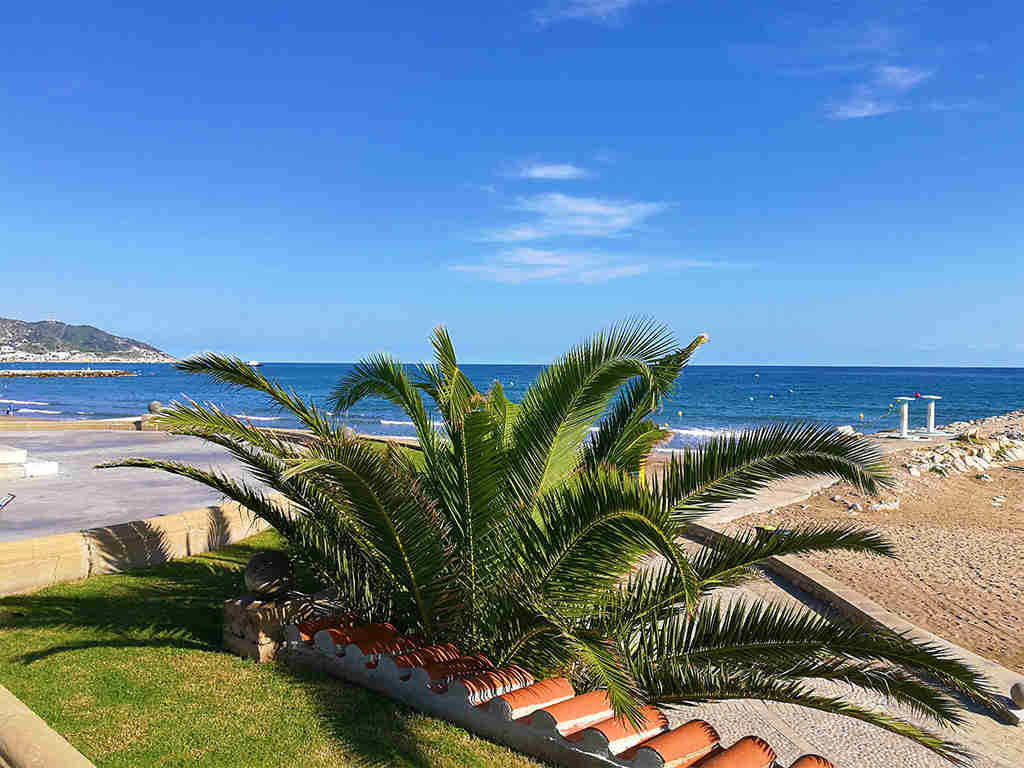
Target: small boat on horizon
[(254, 363)]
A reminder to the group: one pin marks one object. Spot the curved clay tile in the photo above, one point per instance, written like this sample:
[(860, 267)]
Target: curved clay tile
[(525, 701), (812, 761), (680, 748), (573, 714), (486, 685), (615, 735), (748, 752), (460, 667), (329, 639), (421, 657), (307, 629)]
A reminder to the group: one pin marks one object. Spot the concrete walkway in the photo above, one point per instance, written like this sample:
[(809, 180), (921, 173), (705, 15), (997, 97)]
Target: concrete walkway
[(82, 497)]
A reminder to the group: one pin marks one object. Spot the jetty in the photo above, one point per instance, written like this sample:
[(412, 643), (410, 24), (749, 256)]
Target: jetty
[(81, 373)]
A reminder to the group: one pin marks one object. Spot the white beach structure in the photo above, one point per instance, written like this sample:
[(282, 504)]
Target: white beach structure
[(929, 428), (904, 402)]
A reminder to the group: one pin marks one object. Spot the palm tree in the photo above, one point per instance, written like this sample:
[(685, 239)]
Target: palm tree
[(524, 531)]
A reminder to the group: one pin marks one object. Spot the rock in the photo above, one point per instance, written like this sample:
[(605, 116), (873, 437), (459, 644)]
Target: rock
[(914, 472), (155, 406), (856, 507), (268, 573), (838, 499), (885, 505), (984, 477), (1017, 693)]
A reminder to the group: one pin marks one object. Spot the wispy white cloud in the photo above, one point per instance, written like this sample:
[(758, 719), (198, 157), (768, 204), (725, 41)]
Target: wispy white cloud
[(558, 215), (589, 10), (860, 106), (526, 265), (900, 78), (552, 171), (872, 66), (877, 96)]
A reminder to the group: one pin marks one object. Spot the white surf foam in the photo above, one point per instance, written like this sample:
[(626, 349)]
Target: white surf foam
[(698, 432), (256, 418), (23, 402), (37, 410), (397, 423)]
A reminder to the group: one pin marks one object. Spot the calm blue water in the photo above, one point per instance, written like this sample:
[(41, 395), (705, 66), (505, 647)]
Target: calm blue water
[(710, 398)]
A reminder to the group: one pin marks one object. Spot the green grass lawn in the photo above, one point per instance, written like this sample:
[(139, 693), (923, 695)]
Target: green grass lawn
[(128, 668)]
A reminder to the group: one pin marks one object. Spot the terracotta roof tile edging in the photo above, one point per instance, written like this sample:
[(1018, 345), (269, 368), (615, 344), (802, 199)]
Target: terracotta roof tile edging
[(544, 719)]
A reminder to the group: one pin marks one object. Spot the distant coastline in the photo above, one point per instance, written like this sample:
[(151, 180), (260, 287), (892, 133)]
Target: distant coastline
[(57, 359), (66, 373)]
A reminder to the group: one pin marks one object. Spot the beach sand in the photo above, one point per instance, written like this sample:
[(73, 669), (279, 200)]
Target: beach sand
[(960, 572)]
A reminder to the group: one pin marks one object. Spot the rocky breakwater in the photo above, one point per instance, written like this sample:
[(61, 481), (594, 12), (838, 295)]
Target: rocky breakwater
[(978, 445), (79, 373)]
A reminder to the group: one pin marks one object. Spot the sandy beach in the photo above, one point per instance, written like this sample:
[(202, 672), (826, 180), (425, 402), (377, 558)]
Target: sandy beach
[(959, 539)]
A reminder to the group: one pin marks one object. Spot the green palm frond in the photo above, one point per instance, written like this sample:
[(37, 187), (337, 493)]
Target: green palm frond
[(456, 395), (602, 657), (503, 412), (591, 531), (750, 634), (234, 372), (625, 437), (729, 560), (570, 395), (736, 466), (682, 684), (385, 377), (202, 419), (402, 534)]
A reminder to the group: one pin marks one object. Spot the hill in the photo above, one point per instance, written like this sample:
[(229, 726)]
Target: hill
[(51, 341)]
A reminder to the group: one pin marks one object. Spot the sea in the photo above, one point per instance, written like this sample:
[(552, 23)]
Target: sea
[(706, 400)]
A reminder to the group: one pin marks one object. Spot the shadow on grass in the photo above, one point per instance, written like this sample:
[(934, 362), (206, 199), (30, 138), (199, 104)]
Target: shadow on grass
[(179, 604), (179, 601), (372, 729)]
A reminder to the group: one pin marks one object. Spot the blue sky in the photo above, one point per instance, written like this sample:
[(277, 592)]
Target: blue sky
[(806, 182)]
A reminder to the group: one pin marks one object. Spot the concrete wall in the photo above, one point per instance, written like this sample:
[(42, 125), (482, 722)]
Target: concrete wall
[(31, 564)]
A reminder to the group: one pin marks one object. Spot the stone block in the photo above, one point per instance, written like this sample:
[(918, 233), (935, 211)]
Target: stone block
[(124, 547), (254, 627), (31, 564)]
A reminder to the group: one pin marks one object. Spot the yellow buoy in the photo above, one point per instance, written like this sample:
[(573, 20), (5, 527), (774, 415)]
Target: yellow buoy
[(751, 397), (679, 413), (770, 396), (861, 416)]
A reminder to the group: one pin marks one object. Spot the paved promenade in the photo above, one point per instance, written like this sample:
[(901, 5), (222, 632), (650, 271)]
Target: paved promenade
[(82, 497)]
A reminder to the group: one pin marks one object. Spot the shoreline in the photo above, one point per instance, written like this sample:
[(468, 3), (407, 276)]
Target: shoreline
[(954, 427)]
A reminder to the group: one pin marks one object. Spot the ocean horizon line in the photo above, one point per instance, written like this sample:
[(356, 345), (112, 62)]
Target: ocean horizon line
[(977, 366)]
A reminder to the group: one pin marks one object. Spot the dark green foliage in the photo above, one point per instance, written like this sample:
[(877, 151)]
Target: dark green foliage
[(518, 536)]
